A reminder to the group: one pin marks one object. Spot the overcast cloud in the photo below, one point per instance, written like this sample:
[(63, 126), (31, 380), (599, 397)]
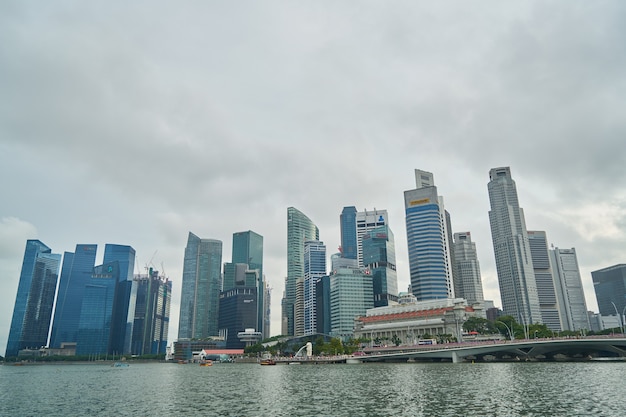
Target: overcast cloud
[(137, 122)]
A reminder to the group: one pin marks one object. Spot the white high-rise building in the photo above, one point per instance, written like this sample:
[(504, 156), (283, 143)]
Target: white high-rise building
[(569, 289), (467, 281), (516, 277), (366, 221)]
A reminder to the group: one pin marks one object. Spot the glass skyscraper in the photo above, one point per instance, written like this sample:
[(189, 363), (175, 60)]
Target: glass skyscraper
[(366, 221), (201, 286), (351, 295), (152, 314), (544, 277), (379, 256), (516, 277), (248, 249), (35, 296), (299, 229), (569, 289), (347, 221), (314, 270), (610, 288), (75, 275), (427, 229)]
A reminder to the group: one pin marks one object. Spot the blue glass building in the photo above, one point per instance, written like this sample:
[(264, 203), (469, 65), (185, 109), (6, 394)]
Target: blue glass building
[(201, 286), (75, 275), (152, 314), (379, 256), (349, 242), (427, 244), (35, 296), (96, 316), (314, 270)]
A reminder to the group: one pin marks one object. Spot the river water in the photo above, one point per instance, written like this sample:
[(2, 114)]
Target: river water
[(376, 389)]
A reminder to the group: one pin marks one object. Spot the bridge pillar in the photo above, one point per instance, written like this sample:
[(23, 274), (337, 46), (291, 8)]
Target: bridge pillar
[(353, 361), (455, 357)]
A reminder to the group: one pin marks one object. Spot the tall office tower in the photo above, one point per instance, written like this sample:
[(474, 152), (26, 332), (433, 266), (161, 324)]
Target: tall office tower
[(569, 289), (366, 221), (299, 229), (125, 297), (351, 294), (338, 261), (314, 270), (349, 242), (516, 278), (35, 296), (238, 312), (544, 278), (248, 249), (95, 324), (467, 280), (322, 304), (199, 303), (76, 272), (267, 302), (610, 288), (152, 313), (379, 256), (428, 238)]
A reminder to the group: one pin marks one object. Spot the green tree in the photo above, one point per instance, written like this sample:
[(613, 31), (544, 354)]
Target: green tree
[(335, 346), (480, 325), (396, 340)]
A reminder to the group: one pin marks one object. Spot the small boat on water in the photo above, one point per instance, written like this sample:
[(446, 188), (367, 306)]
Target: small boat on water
[(268, 362), (120, 365), (206, 363)]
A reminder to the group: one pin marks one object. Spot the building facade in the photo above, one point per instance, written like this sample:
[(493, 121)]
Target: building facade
[(366, 221), (569, 290), (349, 242), (544, 277), (201, 285), (76, 271), (428, 239), (379, 257), (299, 229), (351, 295), (467, 280), (314, 269), (610, 288), (516, 278), (152, 313), (32, 311), (238, 312)]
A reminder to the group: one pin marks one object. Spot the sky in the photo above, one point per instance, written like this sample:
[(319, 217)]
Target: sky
[(137, 122)]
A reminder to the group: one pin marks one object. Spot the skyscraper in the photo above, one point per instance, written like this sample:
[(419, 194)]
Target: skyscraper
[(516, 278), (366, 221), (201, 285), (569, 290), (428, 235), (610, 288), (351, 294), (248, 249), (299, 229), (35, 295), (314, 270), (347, 221), (152, 313), (75, 275), (379, 256), (467, 280), (544, 278)]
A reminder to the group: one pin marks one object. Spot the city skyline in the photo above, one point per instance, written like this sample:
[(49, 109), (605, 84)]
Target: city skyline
[(117, 126)]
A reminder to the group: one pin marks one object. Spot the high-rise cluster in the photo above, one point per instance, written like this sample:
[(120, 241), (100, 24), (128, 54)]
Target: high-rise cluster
[(223, 305), (99, 310)]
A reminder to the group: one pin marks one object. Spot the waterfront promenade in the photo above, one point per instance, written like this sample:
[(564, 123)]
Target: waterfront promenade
[(552, 349)]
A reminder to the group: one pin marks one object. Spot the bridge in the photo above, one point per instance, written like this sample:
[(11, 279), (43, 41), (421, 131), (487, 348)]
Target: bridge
[(584, 348)]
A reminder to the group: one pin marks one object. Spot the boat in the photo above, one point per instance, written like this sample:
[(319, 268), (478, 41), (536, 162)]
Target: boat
[(120, 365), (206, 363), (268, 362)]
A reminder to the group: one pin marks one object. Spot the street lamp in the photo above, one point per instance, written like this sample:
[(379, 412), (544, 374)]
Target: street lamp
[(511, 335), (621, 318)]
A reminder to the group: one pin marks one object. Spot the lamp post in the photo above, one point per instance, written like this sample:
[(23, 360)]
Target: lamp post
[(621, 320), (511, 335)]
